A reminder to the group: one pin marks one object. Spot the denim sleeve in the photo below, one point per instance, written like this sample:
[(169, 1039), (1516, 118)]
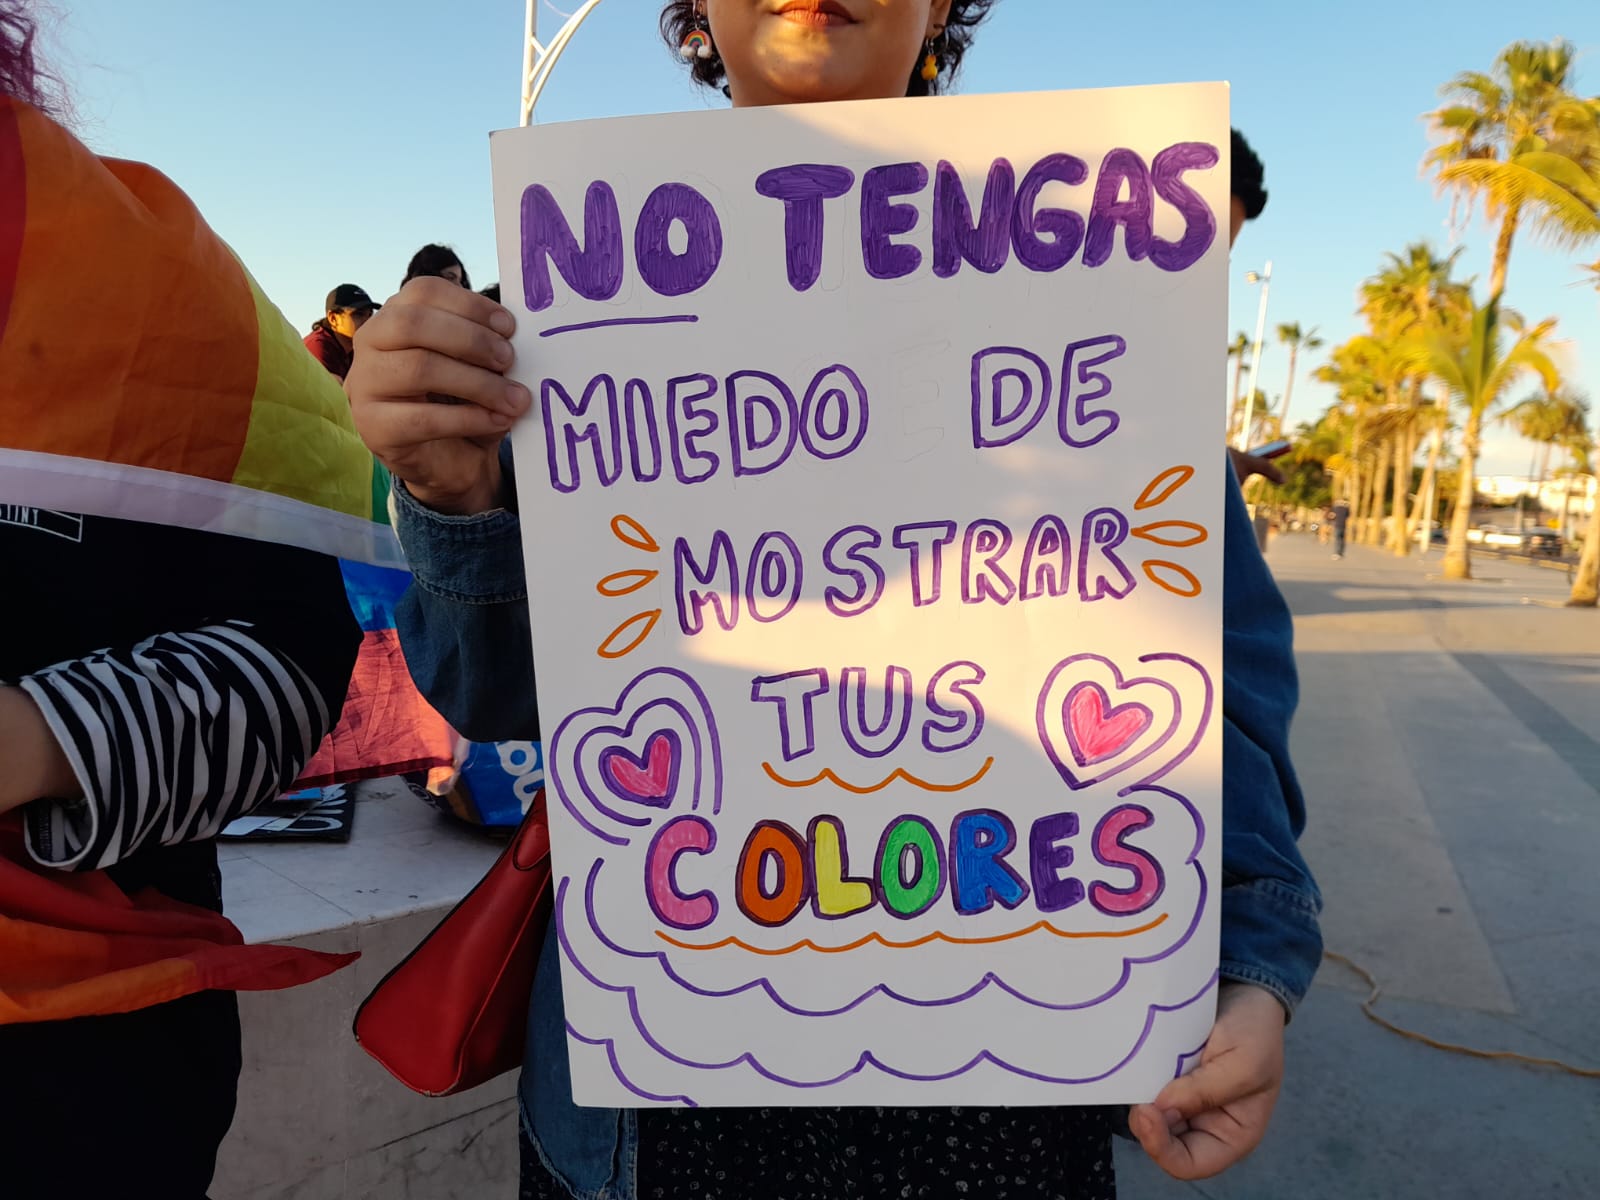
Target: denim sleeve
[(463, 622), (1270, 933)]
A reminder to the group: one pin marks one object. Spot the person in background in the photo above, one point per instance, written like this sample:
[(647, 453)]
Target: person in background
[(1340, 520), (332, 339), (1247, 200), (492, 292), (438, 260), (465, 627), (156, 681)]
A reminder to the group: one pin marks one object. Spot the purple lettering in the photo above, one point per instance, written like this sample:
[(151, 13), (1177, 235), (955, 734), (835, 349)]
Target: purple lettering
[(688, 423), (982, 576), (594, 270), (1048, 857), (950, 696), (663, 271), (720, 585), (833, 419), (803, 188), (798, 735), (1063, 227), (925, 568), (757, 451), (884, 737), (774, 572), (882, 219), (565, 427), (1045, 559), (1134, 213), (855, 541), (994, 422), (1103, 531), (985, 244), (1080, 425), (1200, 227)]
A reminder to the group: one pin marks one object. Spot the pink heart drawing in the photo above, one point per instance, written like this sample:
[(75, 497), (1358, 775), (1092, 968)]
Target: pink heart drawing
[(1097, 731), (648, 779), (617, 769), (1089, 739)]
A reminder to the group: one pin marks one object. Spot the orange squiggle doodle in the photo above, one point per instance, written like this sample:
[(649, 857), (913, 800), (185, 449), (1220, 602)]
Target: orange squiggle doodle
[(612, 647), (623, 582), (1157, 531), (897, 773), (1190, 587), (1159, 490), (808, 944), (633, 534)]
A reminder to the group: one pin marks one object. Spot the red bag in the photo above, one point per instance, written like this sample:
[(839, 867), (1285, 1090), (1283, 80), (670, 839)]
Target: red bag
[(454, 1013)]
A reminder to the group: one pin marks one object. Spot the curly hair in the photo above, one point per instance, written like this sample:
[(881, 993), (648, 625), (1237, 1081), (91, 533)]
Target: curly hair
[(679, 17), (1249, 178), (21, 76)]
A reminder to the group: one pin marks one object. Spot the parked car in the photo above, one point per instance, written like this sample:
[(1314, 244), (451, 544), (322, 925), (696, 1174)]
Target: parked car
[(1493, 535), (1542, 541)]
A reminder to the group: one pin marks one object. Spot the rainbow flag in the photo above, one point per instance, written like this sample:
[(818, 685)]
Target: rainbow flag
[(144, 376)]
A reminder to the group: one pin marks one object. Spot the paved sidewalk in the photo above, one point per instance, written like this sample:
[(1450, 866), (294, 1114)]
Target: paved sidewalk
[(1449, 743)]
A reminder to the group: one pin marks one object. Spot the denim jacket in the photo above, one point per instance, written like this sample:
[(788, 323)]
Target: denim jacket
[(464, 627)]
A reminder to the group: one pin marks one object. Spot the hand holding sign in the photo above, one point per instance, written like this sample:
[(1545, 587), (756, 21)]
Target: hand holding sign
[(435, 339)]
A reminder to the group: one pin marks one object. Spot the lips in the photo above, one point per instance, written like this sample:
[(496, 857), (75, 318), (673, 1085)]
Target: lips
[(821, 14)]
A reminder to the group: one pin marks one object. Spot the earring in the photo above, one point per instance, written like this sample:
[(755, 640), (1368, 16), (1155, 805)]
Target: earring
[(697, 44), (930, 64)]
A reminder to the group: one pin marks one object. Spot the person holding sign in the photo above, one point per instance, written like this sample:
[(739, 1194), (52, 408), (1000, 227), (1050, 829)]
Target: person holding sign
[(467, 633)]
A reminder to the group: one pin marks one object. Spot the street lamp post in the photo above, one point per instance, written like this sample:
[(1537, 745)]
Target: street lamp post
[(538, 58), (1264, 278)]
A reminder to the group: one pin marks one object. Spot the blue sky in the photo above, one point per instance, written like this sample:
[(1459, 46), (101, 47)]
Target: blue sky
[(327, 141)]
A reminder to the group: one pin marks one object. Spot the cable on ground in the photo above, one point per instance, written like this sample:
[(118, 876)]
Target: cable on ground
[(1367, 1007)]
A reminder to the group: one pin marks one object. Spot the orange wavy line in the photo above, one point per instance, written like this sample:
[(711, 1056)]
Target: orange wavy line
[(807, 943), (897, 773)]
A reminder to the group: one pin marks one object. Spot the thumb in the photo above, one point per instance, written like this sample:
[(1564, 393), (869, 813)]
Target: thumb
[(1200, 1090)]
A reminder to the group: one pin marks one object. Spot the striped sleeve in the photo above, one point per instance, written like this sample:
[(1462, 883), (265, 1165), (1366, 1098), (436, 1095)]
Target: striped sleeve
[(170, 741)]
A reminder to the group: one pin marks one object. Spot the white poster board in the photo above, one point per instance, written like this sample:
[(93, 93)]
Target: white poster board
[(872, 501)]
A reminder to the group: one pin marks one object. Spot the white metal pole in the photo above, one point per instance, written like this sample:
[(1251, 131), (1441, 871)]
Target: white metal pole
[(530, 52), (1255, 359), (540, 60)]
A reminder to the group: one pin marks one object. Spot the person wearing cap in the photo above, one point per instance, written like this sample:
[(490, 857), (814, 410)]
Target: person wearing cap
[(332, 339)]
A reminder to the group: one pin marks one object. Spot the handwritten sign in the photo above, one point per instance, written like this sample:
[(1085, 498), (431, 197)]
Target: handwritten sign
[(872, 500)]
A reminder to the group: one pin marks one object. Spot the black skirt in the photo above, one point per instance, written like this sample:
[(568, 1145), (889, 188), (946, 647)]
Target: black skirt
[(864, 1154)]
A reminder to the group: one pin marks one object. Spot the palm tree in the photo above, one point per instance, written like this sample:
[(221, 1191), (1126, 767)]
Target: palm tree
[(1548, 420), (1412, 296), (1293, 337), (1237, 349), (1523, 143), (1477, 371)]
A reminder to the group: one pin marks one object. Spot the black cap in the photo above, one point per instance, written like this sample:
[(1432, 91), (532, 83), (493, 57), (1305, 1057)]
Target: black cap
[(349, 296)]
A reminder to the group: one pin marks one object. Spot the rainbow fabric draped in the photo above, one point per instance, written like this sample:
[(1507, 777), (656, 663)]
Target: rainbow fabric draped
[(188, 400)]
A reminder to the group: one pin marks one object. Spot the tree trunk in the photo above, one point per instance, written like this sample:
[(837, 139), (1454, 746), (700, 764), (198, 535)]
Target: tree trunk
[(1380, 484), (1234, 411), (1586, 584), (1402, 487), (1288, 391), (1457, 555), (1358, 500), (1502, 251), (1419, 518)]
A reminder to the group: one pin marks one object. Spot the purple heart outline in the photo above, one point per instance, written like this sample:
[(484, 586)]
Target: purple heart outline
[(1043, 717), (616, 760), (659, 701)]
